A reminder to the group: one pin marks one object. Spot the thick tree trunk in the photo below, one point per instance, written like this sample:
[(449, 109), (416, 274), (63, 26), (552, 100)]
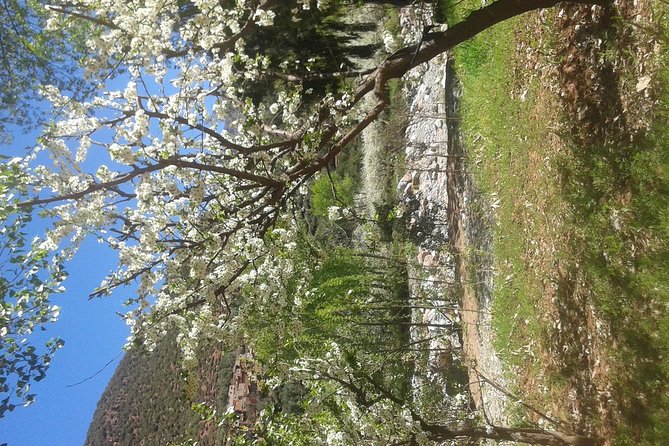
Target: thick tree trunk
[(519, 435), (482, 19), (436, 43), (530, 436)]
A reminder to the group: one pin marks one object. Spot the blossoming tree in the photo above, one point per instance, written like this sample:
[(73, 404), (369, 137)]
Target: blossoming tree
[(196, 195)]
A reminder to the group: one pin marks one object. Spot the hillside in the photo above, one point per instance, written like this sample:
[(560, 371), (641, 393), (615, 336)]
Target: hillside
[(149, 400), (562, 117)]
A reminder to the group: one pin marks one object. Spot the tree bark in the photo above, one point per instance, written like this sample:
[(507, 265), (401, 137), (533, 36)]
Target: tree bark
[(530, 436), (436, 43)]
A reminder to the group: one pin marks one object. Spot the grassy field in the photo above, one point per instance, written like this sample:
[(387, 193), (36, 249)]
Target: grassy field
[(571, 151)]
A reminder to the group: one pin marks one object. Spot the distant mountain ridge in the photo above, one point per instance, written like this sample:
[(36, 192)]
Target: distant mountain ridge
[(148, 401)]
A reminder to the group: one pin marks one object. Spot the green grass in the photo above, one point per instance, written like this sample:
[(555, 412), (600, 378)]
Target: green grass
[(619, 193), (500, 139), (627, 268), (589, 227)]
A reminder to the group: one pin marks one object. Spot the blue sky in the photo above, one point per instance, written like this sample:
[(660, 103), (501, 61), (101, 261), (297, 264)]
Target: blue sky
[(93, 333), (93, 336)]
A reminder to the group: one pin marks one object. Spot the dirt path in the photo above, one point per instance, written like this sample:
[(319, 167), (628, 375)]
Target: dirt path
[(456, 183), (469, 304)]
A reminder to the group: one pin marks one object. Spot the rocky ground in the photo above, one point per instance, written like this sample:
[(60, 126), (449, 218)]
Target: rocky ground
[(438, 184)]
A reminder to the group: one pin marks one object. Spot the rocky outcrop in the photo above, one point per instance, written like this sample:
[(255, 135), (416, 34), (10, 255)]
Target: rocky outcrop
[(438, 188)]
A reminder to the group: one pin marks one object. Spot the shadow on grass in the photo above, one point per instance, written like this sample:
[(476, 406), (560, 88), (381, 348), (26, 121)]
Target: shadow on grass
[(617, 183)]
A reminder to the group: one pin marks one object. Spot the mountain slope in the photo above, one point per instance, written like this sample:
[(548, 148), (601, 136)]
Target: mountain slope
[(149, 400)]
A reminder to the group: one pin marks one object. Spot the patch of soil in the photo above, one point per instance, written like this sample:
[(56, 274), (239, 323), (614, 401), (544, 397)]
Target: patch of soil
[(587, 74), (455, 187)]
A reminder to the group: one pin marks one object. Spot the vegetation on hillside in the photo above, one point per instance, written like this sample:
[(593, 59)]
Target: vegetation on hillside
[(152, 400)]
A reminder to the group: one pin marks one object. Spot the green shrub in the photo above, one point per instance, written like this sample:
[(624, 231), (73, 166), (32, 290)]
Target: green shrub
[(323, 193)]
